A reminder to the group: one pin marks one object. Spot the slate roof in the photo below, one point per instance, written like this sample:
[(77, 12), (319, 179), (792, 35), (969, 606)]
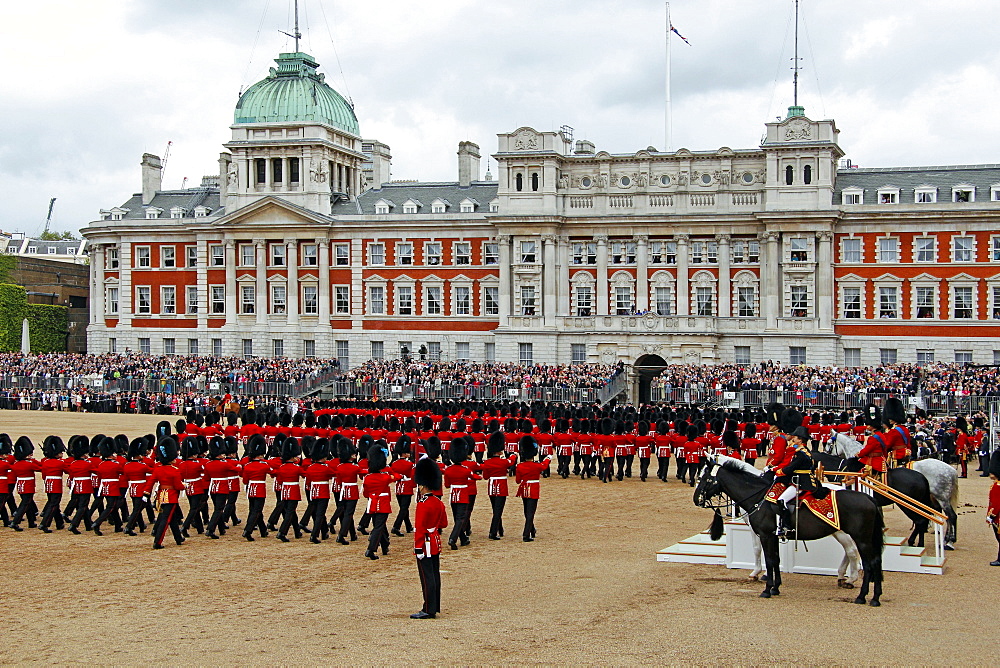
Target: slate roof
[(482, 191), (69, 247), (168, 199), (907, 179)]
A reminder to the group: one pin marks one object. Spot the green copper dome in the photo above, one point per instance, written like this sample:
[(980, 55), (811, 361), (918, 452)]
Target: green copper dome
[(295, 92)]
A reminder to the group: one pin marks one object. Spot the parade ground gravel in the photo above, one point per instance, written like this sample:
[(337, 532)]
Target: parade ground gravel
[(588, 591)]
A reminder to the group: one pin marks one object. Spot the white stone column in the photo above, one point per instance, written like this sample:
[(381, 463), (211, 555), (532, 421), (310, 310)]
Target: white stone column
[(549, 270), (232, 298), (602, 273), (201, 280), (125, 297), (503, 246), (261, 306), (562, 287), (824, 278), (683, 292), (97, 289), (770, 288), (292, 289), (641, 273), (725, 288), (323, 291)]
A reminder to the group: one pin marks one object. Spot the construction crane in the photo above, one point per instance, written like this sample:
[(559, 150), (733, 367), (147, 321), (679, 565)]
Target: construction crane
[(163, 164), (48, 218)]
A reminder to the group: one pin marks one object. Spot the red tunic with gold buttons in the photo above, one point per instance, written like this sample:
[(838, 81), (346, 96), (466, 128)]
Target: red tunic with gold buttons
[(255, 478), (24, 474), (109, 473), (52, 474), (495, 473), (318, 478), (527, 475), (376, 490), (287, 475), (169, 479), (428, 522), (347, 477)]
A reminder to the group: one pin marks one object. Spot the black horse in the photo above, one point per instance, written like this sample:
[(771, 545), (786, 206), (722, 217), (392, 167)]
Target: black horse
[(860, 518), (905, 481)]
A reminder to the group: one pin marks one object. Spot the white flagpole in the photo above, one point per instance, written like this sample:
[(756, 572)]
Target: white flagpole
[(668, 130)]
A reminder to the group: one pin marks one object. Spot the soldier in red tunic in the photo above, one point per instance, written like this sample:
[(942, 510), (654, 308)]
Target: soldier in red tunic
[(136, 473), (24, 469), (643, 448), (6, 459), (897, 436), (873, 453), (403, 467), (458, 478), (217, 471), (81, 484), (347, 478), (195, 484), (376, 489), (166, 481), (430, 520), (109, 473), (318, 475), (287, 475), (662, 442), (527, 476), (495, 469), (53, 468), (255, 473), (963, 444), (993, 510)]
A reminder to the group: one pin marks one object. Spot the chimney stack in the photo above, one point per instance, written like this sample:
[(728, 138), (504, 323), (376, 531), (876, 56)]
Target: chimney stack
[(468, 163), (152, 175)]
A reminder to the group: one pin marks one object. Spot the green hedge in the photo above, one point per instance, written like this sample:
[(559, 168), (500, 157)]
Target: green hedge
[(49, 325), (8, 263)]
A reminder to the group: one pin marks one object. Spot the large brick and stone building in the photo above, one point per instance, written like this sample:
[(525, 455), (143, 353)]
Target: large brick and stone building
[(303, 246)]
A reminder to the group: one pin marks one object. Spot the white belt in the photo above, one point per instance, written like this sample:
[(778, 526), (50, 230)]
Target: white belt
[(383, 494), (349, 484), (187, 480), (53, 477), (83, 478), (531, 482), (498, 478), (290, 483), (109, 479), (256, 482), (31, 478), (459, 486)]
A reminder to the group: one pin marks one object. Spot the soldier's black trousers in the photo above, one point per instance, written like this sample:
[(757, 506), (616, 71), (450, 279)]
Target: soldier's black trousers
[(255, 517), (111, 513), (530, 505), (219, 502), (430, 583), (135, 517), (496, 525), (27, 508), (403, 516), (80, 503), (347, 519), (319, 524), (460, 515), (51, 512), (662, 467), (380, 534), (290, 519), (193, 519), (169, 517)]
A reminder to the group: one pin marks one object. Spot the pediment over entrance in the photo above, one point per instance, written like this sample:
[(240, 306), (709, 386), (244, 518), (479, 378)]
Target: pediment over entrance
[(271, 213)]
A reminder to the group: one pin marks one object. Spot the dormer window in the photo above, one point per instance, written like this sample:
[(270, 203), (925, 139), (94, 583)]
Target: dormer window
[(494, 206), (411, 206), (118, 213), (925, 195), (963, 193), (177, 212), (468, 205), (153, 212), (440, 206), (888, 195), (383, 207), (201, 211), (852, 196), (995, 192)]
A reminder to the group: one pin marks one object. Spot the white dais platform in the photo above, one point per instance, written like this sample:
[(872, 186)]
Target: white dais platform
[(818, 557)]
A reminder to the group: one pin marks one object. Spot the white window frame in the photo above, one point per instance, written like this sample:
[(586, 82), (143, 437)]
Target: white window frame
[(882, 311), (168, 257), (404, 306), (844, 250), (925, 195), (887, 195), (248, 255), (953, 288), (376, 300), (310, 300), (917, 250), (342, 255), (278, 294), (113, 262), (342, 299), (852, 196), (310, 255), (919, 288), (888, 356), (143, 257), (191, 256), (963, 194), (277, 255), (995, 192), (583, 300), (490, 300), (248, 299), (462, 253), (191, 305), (111, 300), (527, 298), (491, 253), (843, 301), (528, 251), (376, 254), (433, 300), (217, 294), (217, 255), (140, 292), (403, 253), (880, 252), (970, 249), (432, 253), (461, 303)]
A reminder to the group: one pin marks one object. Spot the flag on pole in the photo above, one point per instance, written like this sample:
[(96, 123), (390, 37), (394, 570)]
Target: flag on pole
[(674, 30)]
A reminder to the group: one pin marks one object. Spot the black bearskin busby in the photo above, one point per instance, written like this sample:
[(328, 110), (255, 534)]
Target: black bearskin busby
[(773, 413), (457, 451), (994, 467), (290, 449), (136, 449), (495, 443), (166, 450), (376, 459), (962, 424), (433, 447), (427, 474), (527, 448), (790, 419), (53, 446), (190, 448), (873, 417), (402, 446), (731, 440), (163, 429), (256, 446), (893, 411), (23, 448)]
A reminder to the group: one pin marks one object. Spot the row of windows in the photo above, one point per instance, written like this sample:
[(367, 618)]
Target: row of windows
[(169, 346), (278, 300), (433, 302), (923, 249), (665, 252), (924, 195), (924, 302), (412, 206)]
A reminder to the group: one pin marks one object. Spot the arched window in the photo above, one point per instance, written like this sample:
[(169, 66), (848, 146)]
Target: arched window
[(789, 175), (519, 182), (807, 174), (534, 181)]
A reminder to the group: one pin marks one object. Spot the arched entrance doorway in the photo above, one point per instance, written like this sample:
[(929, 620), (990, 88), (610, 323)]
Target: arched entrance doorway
[(647, 368)]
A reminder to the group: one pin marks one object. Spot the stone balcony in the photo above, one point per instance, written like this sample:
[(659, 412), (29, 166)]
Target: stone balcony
[(680, 203)]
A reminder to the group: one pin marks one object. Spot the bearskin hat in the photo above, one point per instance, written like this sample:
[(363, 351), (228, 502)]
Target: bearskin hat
[(290, 449), (256, 446), (53, 446), (345, 449), (307, 446), (692, 432), (773, 413), (790, 419), (216, 448), (873, 417), (200, 420), (893, 411), (6, 447), (121, 444), (180, 425), (402, 446), (994, 467), (433, 447), (376, 459), (643, 428), (962, 424), (750, 430), (137, 448), (978, 422), (163, 429), (444, 425), (320, 450), (166, 449), (731, 440), (477, 426), (79, 446), (458, 451), (427, 474), (459, 426), (495, 443), (426, 423), (298, 419), (106, 448), (527, 448), (190, 448), (662, 427)]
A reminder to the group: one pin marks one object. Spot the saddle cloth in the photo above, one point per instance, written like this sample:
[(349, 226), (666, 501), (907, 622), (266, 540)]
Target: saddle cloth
[(825, 508)]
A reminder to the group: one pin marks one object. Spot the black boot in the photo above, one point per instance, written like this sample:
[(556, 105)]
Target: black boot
[(785, 521)]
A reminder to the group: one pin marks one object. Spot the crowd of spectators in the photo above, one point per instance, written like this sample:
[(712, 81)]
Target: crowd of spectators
[(472, 374), (934, 379), (183, 369)]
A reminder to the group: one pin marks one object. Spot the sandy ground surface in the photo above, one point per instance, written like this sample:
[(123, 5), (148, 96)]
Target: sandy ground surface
[(588, 591)]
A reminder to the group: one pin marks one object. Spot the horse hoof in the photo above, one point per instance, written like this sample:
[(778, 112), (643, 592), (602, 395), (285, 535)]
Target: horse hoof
[(775, 592), (848, 585), (765, 594), (860, 600), (874, 603), (950, 548), (753, 578)]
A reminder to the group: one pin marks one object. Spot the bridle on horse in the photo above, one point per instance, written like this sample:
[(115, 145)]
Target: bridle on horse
[(726, 500)]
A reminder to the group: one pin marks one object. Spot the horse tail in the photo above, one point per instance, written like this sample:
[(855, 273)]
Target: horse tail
[(878, 542)]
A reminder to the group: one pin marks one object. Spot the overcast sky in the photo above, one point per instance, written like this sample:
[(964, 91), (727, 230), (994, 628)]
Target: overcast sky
[(90, 86)]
